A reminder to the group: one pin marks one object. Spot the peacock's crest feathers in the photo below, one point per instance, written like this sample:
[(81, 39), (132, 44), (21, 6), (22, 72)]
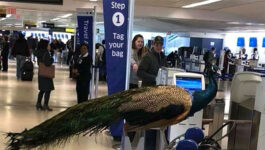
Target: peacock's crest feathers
[(155, 98)]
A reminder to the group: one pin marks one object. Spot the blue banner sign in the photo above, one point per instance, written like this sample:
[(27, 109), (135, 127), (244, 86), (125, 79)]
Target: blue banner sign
[(85, 32), (116, 25)]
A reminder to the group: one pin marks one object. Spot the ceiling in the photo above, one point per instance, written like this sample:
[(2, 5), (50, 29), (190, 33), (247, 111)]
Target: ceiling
[(179, 3), (155, 15)]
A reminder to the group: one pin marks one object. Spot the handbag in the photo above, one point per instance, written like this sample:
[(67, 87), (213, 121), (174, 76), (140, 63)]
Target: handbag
[(46, 71)]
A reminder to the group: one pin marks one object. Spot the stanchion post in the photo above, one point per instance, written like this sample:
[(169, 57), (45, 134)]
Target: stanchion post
[(218, 118)]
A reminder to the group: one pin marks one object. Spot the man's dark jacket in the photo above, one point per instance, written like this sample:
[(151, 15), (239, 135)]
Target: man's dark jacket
[(149, 67)]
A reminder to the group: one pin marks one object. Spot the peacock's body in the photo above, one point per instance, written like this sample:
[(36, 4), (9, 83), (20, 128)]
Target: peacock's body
[(142, 108)]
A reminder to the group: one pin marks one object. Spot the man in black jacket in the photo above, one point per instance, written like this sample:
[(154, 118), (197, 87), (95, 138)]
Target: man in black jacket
[(208, 57), (151, 63), (83, 74), (20, 51)]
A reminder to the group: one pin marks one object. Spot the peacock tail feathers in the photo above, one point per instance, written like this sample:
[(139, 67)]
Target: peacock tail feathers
[(142, 108), (89, 117)]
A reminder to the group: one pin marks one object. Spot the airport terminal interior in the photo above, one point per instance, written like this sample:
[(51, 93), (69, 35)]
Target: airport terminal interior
[(140, 74)]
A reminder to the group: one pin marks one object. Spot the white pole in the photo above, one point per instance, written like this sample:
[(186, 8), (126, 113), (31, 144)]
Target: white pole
[(94, 53), (129, 43)]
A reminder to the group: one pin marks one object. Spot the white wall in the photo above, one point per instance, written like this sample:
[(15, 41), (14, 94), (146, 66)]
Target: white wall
[(148, 35), (207, 35), (230, 41)]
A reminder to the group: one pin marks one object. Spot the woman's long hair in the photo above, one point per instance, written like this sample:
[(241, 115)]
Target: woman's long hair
[(139, 53)]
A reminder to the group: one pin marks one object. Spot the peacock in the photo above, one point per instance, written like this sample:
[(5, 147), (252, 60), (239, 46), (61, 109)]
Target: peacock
[(142, 108)]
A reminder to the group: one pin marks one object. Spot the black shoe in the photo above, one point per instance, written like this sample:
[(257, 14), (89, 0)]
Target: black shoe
[(39, 107), (46, 107)]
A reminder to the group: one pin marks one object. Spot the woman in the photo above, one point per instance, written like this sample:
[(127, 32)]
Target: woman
[(45, 84), (82, 73), (227, 59), (136, 56)]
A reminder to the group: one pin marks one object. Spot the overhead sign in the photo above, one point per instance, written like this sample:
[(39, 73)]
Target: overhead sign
[(70, 30), (11, 10), (58, 2), (29, 24), (58, 29), (116, 27), (2, 12), (47, 25)]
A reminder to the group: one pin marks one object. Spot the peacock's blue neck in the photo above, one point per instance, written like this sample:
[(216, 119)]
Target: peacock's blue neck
[(202, 98)]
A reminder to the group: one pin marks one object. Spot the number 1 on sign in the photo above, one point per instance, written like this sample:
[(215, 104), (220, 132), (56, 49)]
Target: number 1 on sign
[(118, 19)]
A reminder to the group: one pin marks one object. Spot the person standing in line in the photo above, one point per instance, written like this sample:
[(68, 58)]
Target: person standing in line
[(82, 72), (20, 51), (31, 45), (45, 84), (227, 59), (136, 56), (54, 49), (70, 47), (255, 55), (207, 57), (244, 56), (4, 53), (151, 63)]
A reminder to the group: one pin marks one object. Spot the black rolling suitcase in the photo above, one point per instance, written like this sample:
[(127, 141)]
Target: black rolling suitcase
[(27, 71)]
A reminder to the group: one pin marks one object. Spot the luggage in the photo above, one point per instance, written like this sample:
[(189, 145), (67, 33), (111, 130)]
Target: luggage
[(27, 71)]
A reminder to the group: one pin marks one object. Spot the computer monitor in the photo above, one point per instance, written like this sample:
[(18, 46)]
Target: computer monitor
[(189, 83)]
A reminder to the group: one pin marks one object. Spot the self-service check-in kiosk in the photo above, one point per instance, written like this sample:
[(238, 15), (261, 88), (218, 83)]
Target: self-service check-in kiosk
[(191, 82), (248, 106)]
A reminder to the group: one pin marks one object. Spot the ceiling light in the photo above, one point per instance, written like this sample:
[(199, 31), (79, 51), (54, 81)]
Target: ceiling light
[(8, 15), (42, 21), (54, 19), (62, 25), (201, 3), (3, 19), (233, 23), (100, 22), (67, 15), (93, 0), (261, 24), (249, 24)]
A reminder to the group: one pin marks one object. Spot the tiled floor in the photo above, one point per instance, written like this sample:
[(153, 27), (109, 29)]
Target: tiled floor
[(18, 99), (17, 107)]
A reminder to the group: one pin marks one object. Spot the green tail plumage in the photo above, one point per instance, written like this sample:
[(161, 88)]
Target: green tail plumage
[(143, 108), (89, 117)]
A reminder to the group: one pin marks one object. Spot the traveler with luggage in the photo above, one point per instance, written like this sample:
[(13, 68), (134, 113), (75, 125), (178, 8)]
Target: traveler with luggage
[(20, 51)]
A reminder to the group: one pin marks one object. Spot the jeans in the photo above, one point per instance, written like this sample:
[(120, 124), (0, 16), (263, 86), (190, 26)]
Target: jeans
[(20, 62)]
